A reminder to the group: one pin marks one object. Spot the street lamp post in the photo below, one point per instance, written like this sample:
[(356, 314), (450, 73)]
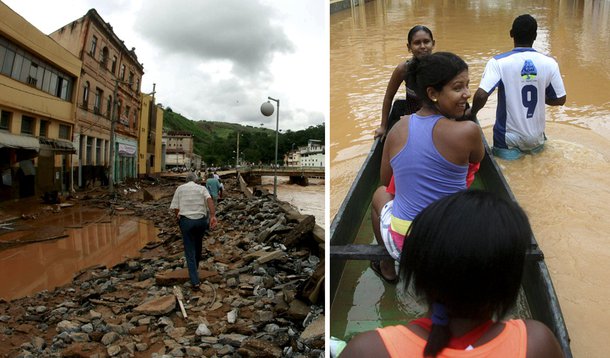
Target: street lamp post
[(267, 110)]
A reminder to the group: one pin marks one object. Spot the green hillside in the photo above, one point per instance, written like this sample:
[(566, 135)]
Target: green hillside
[(216, 142)]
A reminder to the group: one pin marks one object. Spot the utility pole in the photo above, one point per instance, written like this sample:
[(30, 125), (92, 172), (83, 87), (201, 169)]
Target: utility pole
[(112, 129), (237, 154)]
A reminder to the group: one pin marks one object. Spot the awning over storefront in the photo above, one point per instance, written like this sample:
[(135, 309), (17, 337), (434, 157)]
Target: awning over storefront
[(8, 140), (57, 145), (126, 150)]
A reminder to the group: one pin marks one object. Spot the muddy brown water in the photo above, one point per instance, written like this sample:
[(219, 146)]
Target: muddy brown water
[(565, 189), (308, 199), (93, 238)]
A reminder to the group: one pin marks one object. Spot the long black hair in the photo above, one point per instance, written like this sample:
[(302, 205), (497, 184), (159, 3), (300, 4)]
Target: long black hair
[(466, 252), (435, 70)]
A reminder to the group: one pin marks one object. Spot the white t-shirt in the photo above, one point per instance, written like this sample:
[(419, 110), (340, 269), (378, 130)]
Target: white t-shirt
[(191, 199), (525, 78)]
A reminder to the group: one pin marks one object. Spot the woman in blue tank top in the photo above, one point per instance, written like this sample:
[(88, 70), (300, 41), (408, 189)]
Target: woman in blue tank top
[(428, 152)]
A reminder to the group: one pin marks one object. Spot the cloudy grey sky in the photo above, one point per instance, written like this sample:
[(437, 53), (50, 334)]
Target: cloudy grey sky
[(217, 60)]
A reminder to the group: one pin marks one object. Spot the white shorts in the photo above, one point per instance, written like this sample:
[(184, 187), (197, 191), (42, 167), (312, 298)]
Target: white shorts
[(385, 220)]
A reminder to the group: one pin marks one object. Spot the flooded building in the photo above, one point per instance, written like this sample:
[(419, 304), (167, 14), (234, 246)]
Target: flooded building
[(108, 90), (38, 80), (150, 144)]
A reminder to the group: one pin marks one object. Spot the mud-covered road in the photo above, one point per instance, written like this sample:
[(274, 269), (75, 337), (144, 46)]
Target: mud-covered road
[(262, 295)]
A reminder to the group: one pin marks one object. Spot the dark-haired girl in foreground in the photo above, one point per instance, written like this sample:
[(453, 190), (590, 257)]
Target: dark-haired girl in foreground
[(428, 152), (464, 255)]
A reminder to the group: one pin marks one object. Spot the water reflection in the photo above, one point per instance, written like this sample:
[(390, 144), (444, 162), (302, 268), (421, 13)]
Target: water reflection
[(46, 265)]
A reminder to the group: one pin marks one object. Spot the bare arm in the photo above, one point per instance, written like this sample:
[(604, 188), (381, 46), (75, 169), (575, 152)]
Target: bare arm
[(390, 92), (555, 101), (366, 344), (478, 101), (177, 213), (478, 152), (540, 341)]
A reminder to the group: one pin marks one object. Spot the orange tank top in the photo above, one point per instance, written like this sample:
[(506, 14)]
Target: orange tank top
[(401, 342)]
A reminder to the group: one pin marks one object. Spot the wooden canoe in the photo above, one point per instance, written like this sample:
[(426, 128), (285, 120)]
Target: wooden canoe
[(538, 290)]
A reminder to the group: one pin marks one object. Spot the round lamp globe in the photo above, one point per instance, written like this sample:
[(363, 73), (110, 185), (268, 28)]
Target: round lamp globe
[(267, 109)]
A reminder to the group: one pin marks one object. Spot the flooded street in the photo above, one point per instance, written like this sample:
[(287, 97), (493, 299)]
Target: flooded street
[(92, 238), (565, 190), (308, 199)]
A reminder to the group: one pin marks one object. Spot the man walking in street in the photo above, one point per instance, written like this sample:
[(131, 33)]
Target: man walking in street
[(526, 80), (213, 186), (191, 204), (221, 186)]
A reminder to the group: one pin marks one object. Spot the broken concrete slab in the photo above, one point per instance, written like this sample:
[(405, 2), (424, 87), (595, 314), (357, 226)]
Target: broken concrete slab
[(157, 306)]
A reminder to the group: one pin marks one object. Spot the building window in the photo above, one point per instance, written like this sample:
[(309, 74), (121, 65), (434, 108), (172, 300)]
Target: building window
[(89, 150), (109, 107), (64, 131), (104, 58), (122, 72), (33, 75), (5, 120), (93, 46), (138, 84), (98, 151), (64, 87), (24, 71), (97, 105), (7, 57), (46, 80), (27, 124), (130, 79), (85, 94), (113, 69), (44, 129)]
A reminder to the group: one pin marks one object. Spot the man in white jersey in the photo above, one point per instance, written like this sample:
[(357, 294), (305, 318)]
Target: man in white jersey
[(191, 204), (526, 80)]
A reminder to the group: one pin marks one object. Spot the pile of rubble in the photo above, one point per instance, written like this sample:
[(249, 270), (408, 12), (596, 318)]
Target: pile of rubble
[(261, 296)]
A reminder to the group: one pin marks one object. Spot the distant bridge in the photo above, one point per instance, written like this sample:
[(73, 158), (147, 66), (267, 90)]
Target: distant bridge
[(298, 175)]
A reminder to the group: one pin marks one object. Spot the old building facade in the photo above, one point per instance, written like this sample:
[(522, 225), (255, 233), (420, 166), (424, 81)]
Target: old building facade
[(38, 80), (150, 142), (108, 89), (179, 149)]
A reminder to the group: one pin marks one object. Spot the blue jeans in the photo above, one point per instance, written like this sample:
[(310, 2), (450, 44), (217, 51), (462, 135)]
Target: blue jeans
[(192, 235)]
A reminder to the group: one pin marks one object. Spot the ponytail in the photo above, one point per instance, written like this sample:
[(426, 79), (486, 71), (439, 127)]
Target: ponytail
[(434, 71), (439, 333)]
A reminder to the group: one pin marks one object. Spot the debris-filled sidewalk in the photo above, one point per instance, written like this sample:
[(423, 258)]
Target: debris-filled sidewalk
[(261, 294)]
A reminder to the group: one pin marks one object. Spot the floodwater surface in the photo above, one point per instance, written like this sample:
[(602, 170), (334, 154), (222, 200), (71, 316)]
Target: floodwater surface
[(565, 190), (93, 238), (308, 199)]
